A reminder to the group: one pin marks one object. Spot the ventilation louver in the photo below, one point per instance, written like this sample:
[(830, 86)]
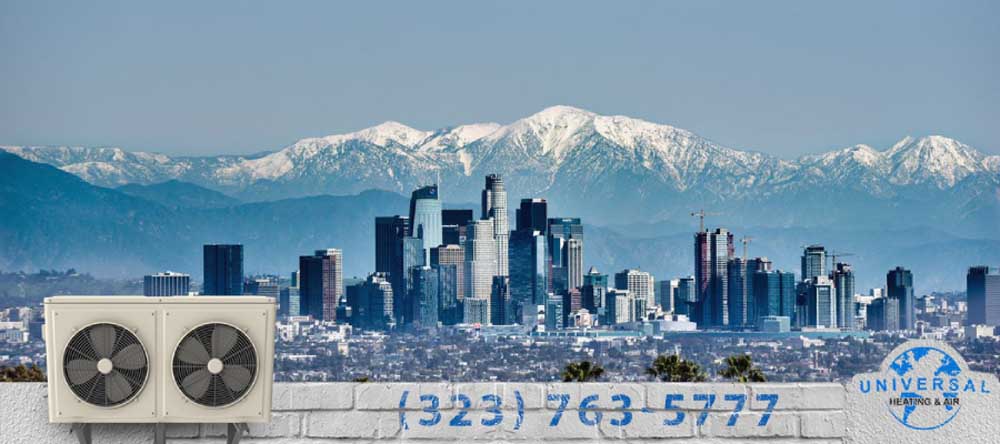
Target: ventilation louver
[(215, 365), (105, 365)]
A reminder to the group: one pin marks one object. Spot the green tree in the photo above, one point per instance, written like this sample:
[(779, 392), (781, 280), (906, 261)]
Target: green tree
[(582, 371), (673, 368), (362, 379), (22, 374), (740, 368)]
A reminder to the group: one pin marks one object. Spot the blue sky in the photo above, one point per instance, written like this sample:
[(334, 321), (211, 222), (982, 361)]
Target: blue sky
[(785, 78)]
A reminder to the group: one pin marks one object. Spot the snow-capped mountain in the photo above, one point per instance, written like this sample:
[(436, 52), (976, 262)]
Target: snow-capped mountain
[(612, 168)]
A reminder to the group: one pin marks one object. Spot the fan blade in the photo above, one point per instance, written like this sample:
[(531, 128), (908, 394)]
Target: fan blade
[(116, 387), (80, 371), (196, 384), (131, 357), (192, 351), (236, 377), (102, 338), (223, 340)]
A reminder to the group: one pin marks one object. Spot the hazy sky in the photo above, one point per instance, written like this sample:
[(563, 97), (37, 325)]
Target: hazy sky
[(780, 77)]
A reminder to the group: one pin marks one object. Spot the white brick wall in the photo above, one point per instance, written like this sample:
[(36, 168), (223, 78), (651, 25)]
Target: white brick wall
[(349, 413)]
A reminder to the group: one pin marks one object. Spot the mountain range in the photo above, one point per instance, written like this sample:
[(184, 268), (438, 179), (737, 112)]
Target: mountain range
[(607, 169), (929, 203)]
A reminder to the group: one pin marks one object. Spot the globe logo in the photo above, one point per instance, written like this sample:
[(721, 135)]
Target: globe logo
[(925, 388)]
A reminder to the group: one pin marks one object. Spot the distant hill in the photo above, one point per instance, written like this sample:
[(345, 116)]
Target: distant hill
[(54, 220), (177, 194)]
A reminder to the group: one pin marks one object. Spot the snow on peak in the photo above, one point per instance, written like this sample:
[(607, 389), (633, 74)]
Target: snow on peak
[(383, 134), (457, 137), (940, 159)]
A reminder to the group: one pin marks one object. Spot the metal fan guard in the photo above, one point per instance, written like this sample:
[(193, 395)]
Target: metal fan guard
[(178, 378), (139, 387)]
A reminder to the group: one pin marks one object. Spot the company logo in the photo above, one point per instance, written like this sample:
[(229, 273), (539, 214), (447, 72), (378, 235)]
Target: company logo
[(922, 384)]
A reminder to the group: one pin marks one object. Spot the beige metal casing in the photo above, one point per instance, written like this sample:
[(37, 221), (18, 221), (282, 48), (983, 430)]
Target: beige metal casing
[(160, 324)]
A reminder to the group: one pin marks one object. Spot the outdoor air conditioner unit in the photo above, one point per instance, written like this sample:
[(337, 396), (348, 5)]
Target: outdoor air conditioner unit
[(182, 359)]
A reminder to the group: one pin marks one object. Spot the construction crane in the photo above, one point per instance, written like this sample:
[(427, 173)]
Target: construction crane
[(833, 258), (701, 218)]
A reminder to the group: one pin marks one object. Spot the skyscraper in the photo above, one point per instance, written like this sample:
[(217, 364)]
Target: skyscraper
[(638, 283), (406, 302), (389, 232), (665, 291), (452, 255), (425, 218), (527, 268), (371, 302), (813, 262), (166, 284), (495, 208), (899, 286), (685, 297), (480, 266), (843, 282), (883, 314), (712, 251), (738, 294), (424, 296), (532, 215), (982, 289), (450, 311), (592, 294), (774, 295), (223, 269), (820, 304), (453, 225), (321, 281), (501, 308), (573, 263), (559, 232)]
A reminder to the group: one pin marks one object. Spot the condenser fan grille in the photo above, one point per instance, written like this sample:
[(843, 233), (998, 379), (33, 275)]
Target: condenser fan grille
[(215, 365), (105, 365)]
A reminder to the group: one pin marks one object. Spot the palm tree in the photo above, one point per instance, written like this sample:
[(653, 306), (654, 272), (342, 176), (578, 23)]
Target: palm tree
[(582, 371), (740, 368), (674, 369)]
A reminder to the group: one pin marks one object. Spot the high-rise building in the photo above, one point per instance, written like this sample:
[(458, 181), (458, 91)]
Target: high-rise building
[(821, 308), (452, 255), (639, 284), (371, 302), (665, 291), (774, 295), (480, 267), (899, 286), (617, 307), (450, 311), (572, 303), (424, 296), (288, 302), (813, 262), (559, 232), (843, 282), (573, 263), (389, 232), (593, 291), (685, 297), (477, 311), (532, 215), (712, 251), (501, 308), (223, 269), (982, 289), (527, 268), (738, 296), (166, 284), (266, 286), (553, 312), (321, 281), (883, 314), (412, 257), (453, 225), (425, 218), (495, 208)]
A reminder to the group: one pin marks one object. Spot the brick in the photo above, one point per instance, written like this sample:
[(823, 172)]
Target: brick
[(183, 430), (560, 388), (656, 395), (281, 425), (387, 396), (536, 426), (832, 424), (779, 425), (646, 424), (351, 424), (313, 396), (812, 396), (533, 395)]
